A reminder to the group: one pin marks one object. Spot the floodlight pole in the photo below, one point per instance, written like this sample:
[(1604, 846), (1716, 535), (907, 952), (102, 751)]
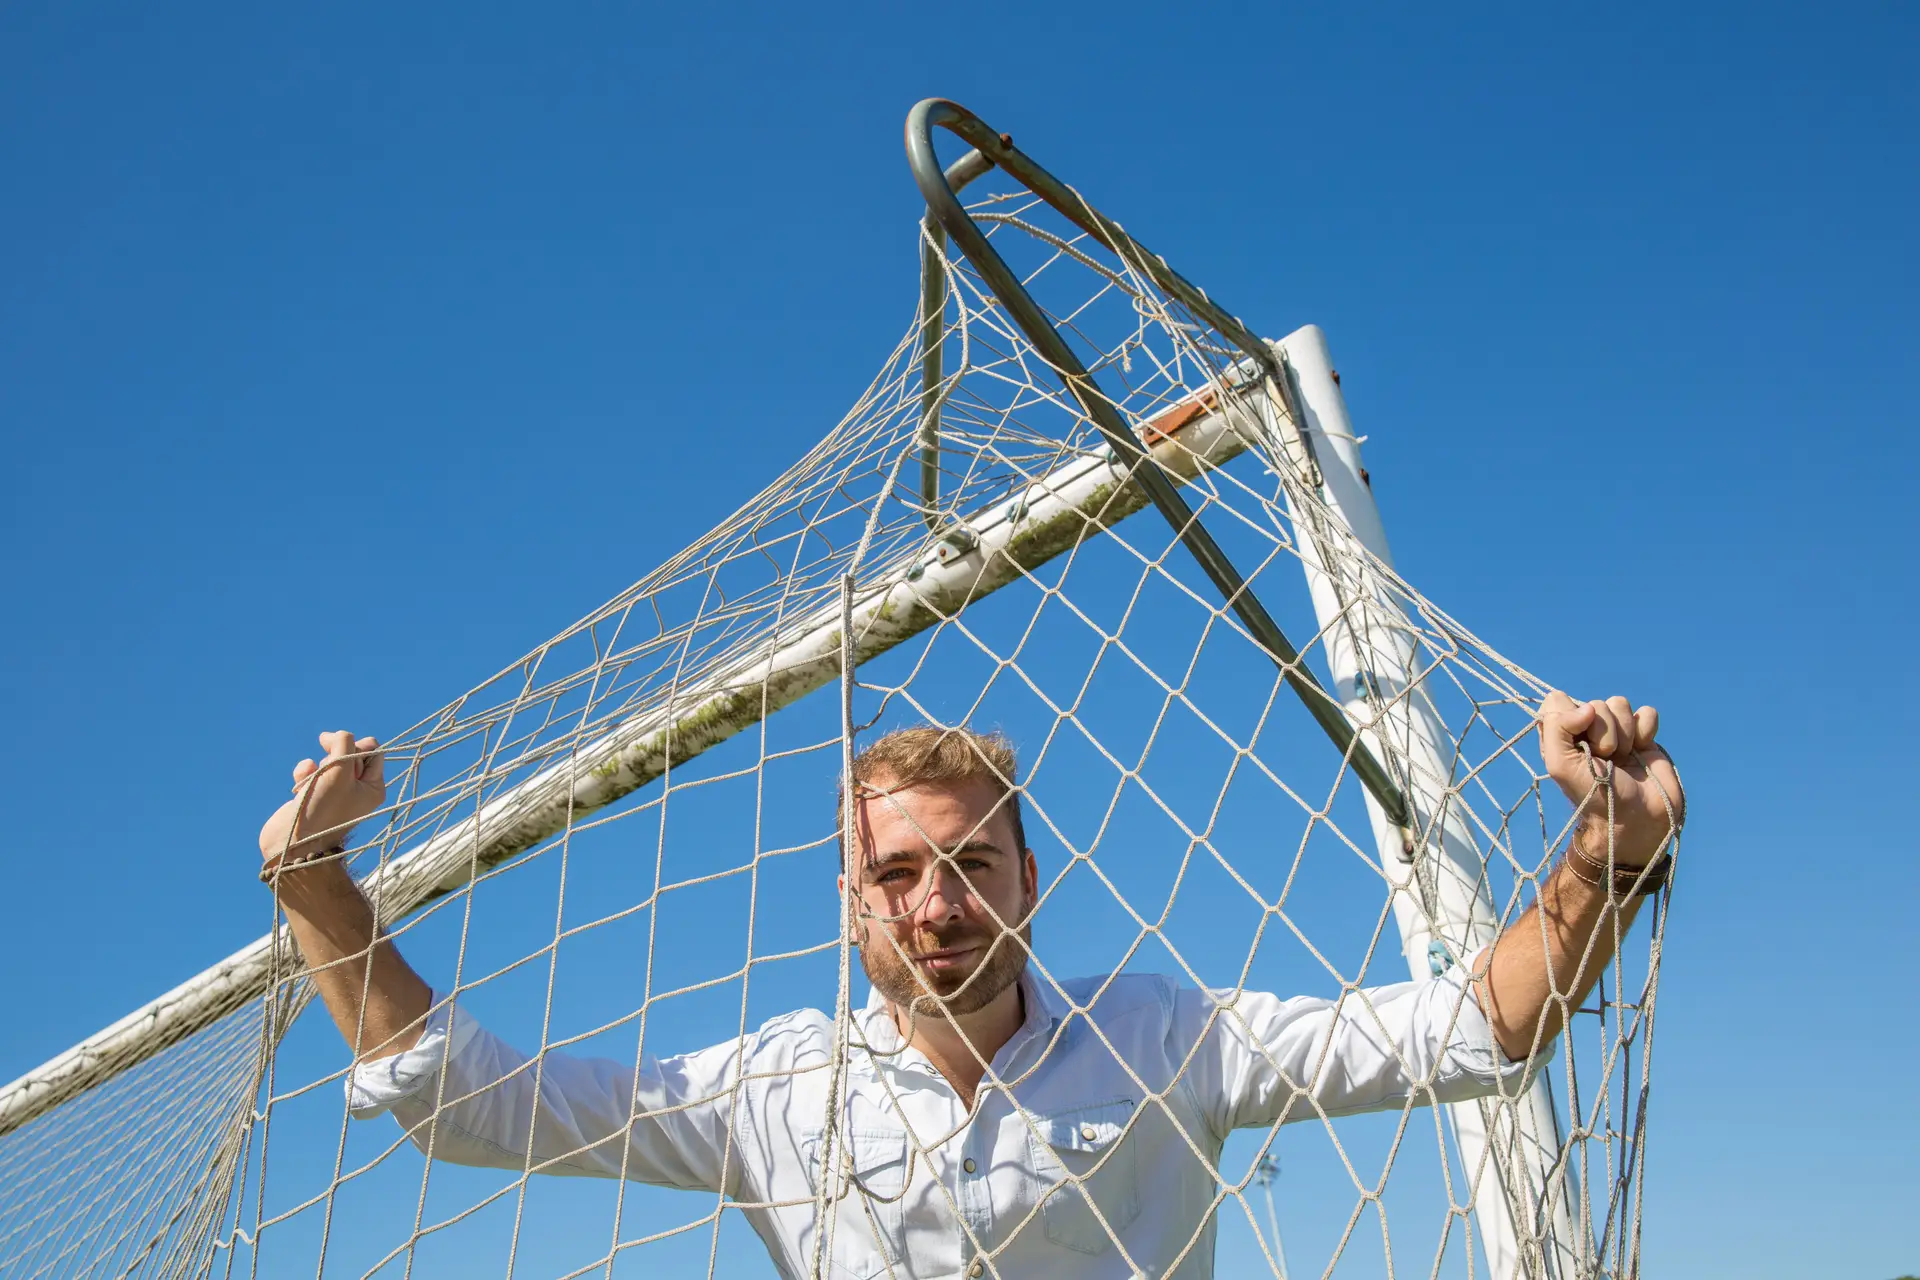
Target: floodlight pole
[(1265, 1172)]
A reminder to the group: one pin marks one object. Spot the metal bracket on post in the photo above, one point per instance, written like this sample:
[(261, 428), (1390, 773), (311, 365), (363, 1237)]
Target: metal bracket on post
[(945, 210), (955, 541), (1292, 424)]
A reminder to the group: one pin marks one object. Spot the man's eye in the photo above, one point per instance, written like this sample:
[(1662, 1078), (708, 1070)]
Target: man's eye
[(887, 877), (973, 864)]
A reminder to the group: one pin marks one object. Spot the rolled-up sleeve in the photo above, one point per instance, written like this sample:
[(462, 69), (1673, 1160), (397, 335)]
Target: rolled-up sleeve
[(1256, 1058), (466, 1096)]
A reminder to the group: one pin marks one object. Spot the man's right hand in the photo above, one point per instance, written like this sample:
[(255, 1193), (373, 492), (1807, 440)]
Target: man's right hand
[(329, 797), (377, 1001)]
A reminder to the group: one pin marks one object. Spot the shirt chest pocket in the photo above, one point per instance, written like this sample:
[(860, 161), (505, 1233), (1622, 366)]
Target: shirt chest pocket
[(872, 1191), (1087, 1166)]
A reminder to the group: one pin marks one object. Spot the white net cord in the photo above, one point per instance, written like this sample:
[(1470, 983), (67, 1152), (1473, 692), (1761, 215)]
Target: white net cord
[(618, 850)]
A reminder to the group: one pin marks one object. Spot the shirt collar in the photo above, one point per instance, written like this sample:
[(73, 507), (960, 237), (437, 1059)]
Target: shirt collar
[(1045, 1009)]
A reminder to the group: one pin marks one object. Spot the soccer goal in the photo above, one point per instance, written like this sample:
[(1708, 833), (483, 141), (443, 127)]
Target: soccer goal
[(1080, 504)]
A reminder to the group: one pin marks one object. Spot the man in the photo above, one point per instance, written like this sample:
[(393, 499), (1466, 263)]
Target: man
[(991, 1123)]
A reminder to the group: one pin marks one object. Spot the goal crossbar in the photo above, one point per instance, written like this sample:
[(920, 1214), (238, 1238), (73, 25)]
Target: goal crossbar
[(1087, 494)]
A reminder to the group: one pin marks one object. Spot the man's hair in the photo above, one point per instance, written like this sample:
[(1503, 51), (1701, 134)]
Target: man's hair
[(928, 753)]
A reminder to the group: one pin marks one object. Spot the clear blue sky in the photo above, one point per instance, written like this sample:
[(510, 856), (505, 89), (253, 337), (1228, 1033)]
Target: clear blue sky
[(345, 358)]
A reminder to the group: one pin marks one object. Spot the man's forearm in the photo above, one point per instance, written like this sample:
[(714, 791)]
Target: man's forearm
[(379, 1003), (1544, 964)]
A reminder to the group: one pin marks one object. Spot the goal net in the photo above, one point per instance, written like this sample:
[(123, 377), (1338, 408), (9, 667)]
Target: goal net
[(622, 846)]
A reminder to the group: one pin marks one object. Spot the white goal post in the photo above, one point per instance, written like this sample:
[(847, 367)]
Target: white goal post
[(1443, 908)]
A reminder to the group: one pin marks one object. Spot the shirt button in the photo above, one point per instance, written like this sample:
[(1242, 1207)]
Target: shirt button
[(1088, 1132), (968, 1164), (978, 1269)]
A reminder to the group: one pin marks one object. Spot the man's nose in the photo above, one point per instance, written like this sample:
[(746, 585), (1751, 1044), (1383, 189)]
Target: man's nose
[(946, 894)]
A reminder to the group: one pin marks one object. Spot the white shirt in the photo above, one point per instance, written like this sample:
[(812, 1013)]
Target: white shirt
[(1091, 1087)]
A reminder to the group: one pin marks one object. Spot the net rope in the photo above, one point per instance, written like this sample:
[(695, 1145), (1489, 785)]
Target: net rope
[(622, 847)]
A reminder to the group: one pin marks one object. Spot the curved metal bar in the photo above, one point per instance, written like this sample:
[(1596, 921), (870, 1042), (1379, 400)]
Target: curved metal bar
[(933, 312), (944, 207)]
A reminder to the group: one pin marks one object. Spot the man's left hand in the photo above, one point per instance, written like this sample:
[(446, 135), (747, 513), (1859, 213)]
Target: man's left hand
[(1648, 803)]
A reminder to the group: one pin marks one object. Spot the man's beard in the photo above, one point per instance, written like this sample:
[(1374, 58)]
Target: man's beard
[(920, 991)]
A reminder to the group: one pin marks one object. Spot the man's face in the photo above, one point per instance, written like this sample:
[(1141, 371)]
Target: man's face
[(928, 939)]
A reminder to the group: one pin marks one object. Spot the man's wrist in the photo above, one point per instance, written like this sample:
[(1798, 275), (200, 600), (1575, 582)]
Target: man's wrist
[(1621, 879), (321, 864), (1611, 847)]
